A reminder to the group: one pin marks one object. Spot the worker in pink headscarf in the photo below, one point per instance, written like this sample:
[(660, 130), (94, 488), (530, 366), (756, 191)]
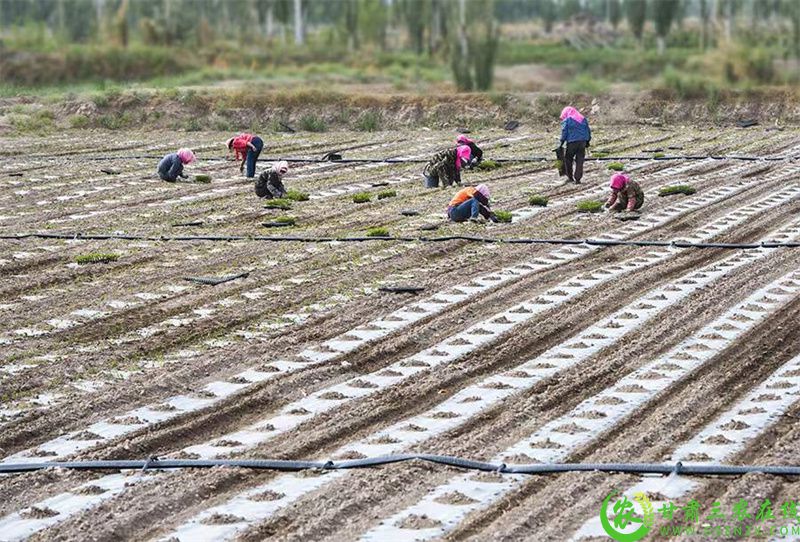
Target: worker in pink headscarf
[(471, 203), (575, 132), (171, 166), (446, 166), (475, 150), (626, 194)]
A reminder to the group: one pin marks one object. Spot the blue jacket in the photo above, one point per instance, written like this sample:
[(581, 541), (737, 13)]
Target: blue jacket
[(170, 168), (574, 131)]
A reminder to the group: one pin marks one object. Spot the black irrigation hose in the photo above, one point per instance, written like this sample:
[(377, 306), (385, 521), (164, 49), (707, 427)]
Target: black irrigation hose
[(215, 281), (153, 463), (361, 239), (311, 160)]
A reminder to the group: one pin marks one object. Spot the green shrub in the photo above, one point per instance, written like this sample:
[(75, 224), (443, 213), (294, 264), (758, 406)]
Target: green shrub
[(202, 178), (685, 189), (589, 206), (503, 216), (616, 166), (378, 231), (79, 121), (286, 220), (383, 194), (96, 257), (312, 123), (362, 197), (488, 165), (278, 203), (369, 121), (538, 201), (296, 195)]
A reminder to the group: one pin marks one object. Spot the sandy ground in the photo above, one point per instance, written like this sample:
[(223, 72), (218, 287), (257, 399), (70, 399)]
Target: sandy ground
[(83, 344)]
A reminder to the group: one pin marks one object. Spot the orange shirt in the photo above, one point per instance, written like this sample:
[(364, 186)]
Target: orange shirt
[(463, 195)]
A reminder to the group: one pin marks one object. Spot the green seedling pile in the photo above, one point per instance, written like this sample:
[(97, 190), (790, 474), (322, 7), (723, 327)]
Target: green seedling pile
[(286, 220), (503, 216), (616, 166), (383, 194), (659, 155), (684, 189), (202, 178), (378, 231), (296, 195), (599, 154), (278, 203), (488, 165), (538, 201), (362, 197), (96, 257), (589, 206)]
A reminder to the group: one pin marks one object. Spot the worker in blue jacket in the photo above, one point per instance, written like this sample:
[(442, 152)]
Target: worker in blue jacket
[(575, 132)]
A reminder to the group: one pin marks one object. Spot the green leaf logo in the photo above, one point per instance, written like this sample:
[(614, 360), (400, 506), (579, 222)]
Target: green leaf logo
[(625, 515)]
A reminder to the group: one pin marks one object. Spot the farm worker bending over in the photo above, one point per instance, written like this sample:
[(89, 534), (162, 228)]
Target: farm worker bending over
[(476, 152), (575, 132), (471, 203), (171, 166), (445, 166), (270, 183), (246, 147), (625, 194)]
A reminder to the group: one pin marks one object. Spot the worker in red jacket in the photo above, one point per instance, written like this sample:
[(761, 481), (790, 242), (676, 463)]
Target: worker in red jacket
[(246, 147)]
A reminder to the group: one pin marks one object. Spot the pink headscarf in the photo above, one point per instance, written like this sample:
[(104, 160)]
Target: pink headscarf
[(618, 181), (281, 168), (463, 140), (186, 156), (483, 189), (572, 113), (463, 153)]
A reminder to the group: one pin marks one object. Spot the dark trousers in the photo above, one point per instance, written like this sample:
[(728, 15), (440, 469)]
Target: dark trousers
[(464, 211), (252, 156), (576, 153)]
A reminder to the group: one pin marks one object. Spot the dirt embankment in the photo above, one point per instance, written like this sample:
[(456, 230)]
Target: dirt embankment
[(315, 111)]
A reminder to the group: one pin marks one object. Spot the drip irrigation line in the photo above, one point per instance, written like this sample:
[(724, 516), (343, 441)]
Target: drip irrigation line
[(153, 463), (312, 160), (406, 239)]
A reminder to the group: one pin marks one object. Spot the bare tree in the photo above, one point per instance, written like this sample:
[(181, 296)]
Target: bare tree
[(299, 31)]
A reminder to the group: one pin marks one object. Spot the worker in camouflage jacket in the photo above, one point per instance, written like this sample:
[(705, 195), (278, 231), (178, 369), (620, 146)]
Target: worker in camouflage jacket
[(270, 183), (445, 167), (626, 194)]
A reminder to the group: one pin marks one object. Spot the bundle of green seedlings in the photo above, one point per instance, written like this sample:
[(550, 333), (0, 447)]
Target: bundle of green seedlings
[(362, 197), (488, 165), (378, 231), (202, 178), (616, 166), (599, 154), (296, 195), (286, 220), (383, 194), (538, 201), (589, 206), (278, 203), (96, 257), (659, 155), (503, 216), (684, 189)]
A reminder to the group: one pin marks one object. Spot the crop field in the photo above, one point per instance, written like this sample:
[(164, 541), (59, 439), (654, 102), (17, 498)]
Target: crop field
[(507, 352)]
